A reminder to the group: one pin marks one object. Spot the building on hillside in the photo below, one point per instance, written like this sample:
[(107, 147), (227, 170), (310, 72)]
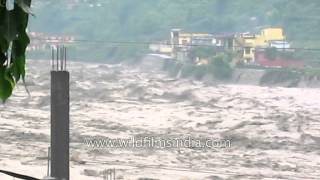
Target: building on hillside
[(247, 42), (182, 46), (181, 39), (226, 42), (161, 48), (269, 34), (268, 37), (183, 42), (41, 41)]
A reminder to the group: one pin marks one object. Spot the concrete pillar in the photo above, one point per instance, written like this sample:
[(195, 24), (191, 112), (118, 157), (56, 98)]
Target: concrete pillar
[(60, 125)]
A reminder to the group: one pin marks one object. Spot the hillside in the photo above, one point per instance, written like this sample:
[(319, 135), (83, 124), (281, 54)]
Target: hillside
[(145, 20)]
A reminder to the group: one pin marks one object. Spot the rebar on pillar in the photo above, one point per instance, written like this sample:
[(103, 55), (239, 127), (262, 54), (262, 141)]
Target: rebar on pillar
[(59, 163)]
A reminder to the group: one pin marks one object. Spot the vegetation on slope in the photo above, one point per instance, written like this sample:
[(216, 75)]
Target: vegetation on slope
[(145, 21), (218, 68)]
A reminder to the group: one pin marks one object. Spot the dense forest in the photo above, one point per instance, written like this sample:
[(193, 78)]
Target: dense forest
[(152, 20)]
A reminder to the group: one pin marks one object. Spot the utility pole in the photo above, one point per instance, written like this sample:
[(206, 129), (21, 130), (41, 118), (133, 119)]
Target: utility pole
[(59, 115)]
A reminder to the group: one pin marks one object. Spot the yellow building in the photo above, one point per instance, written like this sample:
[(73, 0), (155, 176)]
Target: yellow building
[(182, 38), (263, 39), (251, 42), (182, 42), (245, 43), (248, 54), (162, 48), (186, 38), (165, 50), (273, 34)]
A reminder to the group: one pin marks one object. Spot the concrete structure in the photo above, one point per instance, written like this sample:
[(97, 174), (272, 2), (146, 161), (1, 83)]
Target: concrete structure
[(270, 34), (60, 124), (245, 44), (59, 116), (182, 42), (226, 41), (268, 37), (162, 48)]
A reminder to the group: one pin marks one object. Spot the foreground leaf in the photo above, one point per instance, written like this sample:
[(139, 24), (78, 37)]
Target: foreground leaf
[(25, 6), (6, 84)]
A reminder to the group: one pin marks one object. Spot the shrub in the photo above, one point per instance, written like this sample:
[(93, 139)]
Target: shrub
[(220, 68)]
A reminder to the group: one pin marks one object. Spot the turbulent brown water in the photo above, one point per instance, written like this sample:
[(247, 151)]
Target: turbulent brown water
[(275, 132)]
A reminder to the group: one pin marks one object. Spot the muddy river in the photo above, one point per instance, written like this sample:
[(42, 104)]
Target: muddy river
[(274, 132)]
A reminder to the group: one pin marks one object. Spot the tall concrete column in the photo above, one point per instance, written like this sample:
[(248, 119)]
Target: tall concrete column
[(60, 123)]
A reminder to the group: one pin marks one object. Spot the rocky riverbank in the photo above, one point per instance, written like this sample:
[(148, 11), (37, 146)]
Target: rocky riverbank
[(268, 77)]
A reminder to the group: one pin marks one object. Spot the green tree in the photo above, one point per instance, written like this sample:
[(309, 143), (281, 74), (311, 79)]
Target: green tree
[(13, 43), (220, 67)]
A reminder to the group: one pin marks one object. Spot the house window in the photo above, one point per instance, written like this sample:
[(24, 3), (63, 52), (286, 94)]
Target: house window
[(230, 43), (184, 42), (247, 50), (175, 34)]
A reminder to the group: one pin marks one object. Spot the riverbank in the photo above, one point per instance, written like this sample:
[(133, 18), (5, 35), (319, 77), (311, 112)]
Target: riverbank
[(269, 77)]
